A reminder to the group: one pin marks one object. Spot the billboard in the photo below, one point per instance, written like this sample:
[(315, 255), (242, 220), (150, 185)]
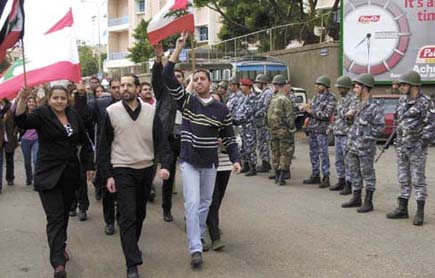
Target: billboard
[(389, 37)]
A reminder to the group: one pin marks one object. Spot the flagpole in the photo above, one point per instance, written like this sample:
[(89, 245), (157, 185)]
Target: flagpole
[(24, 63)]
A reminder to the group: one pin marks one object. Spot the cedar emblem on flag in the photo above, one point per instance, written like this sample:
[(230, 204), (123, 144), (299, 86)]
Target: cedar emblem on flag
[(175, 17)]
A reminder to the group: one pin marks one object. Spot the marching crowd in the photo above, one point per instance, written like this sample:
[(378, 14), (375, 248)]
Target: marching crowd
[(116, 139)]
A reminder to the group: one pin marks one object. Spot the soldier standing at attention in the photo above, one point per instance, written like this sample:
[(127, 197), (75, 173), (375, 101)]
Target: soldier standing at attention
[(415, 127), (340, 129), (244, 116), (263, 132), (281, 121), (368, 124), (320, 111), (235, 95)]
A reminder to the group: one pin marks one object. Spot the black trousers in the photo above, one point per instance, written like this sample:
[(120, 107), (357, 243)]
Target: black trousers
[(9, 164), (57, 203), (108, 199), (133, 188), (168, 185), (222, 178), (81, 195)]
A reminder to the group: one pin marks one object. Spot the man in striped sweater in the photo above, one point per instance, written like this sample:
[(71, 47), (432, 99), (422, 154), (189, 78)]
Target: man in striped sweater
[(204, 121)]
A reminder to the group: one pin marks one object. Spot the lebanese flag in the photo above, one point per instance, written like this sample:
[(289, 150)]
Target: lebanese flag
[(175, 17), (50, 54), (12, 29)]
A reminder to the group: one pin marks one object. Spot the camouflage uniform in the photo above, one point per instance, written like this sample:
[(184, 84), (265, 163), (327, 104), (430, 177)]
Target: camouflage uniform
[(233, 101), (244, 116), (341, 130), (263, 133), (415, 128), (281, 121), (367, 125), (322, 109)]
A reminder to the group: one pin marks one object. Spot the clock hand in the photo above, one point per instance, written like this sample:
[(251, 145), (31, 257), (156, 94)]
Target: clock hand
[(368, 52), (361, 42)]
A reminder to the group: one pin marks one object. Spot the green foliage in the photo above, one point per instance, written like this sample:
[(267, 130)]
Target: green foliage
[(142, 50), (88, 60)]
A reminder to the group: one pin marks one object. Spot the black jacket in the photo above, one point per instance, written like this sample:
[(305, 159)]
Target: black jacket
[(57, 151), (166, 106)]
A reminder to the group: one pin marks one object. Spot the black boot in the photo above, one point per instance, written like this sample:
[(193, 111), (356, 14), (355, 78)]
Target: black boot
[(245, 168), (265, 168), (273, 177), (339, 186), (347, 190), (355, 201), (287, 174), (281, 179), (368, 202), (401, 211), (325, 182), (312, 180), (419, 216), (252, 171)]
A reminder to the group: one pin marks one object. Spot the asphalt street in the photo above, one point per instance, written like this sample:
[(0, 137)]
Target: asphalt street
[(270, 231)]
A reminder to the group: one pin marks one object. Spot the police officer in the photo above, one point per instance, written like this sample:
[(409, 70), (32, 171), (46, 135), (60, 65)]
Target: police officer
[(281, 121), (340, 129), (263, 132), (320, 111), (235, 96), (368, 124), (245, 117), (222, 91), (415, 129)]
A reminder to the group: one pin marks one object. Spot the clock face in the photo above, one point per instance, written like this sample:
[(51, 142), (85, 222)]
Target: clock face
[(376, 36)]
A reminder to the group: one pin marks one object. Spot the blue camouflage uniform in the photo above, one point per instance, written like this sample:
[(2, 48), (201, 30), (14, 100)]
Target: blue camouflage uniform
[(244, 117), (263, 133), (368, 124), (322, 109), (233, 101)]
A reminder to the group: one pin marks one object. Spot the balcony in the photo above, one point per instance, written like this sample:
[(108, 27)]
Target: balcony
[(117, 56), (118, 24)]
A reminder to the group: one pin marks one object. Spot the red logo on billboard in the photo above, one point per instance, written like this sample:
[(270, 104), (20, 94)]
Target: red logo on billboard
[(369, 18), (426, 55)]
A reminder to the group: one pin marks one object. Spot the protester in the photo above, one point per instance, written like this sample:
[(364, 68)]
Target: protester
[(99, 90), (146, 93), (60, 132), (8, 141)]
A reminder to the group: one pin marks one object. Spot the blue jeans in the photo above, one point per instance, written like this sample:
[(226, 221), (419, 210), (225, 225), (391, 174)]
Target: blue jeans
[(30, 153), (198, 186)]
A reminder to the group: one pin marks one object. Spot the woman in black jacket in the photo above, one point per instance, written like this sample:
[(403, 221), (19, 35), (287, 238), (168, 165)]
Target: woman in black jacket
[(60, 132)]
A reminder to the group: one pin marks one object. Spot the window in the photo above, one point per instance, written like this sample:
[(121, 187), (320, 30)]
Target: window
[(203, 33), (140, 6)]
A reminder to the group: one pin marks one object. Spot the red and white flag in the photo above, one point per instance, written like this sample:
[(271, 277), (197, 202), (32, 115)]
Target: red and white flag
[(175, 17), (50, 50), (12, 24)]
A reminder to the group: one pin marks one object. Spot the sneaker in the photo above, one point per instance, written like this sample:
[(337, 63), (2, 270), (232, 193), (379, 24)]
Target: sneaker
[(83, 215), (196, 260), (109, 229), (217, 245), (132, 272)]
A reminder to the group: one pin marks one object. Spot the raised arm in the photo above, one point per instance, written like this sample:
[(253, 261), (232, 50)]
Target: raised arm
[(156, 79), (21, 118)]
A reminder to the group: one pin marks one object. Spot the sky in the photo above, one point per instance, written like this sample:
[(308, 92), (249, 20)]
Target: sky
[(86, 27)]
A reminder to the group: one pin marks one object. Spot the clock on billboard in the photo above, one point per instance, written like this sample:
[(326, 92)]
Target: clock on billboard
[(376, 36)]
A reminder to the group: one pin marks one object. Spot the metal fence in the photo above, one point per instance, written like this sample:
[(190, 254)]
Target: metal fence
[(316, 30)]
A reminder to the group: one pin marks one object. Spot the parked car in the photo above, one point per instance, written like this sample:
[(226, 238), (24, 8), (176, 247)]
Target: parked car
[(389, 103), (301, 99)]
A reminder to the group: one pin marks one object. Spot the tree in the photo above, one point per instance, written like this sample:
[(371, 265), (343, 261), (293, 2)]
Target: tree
[(88, 60), (142, 50)]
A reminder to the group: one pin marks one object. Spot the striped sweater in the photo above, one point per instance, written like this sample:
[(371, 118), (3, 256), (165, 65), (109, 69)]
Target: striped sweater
[(203, 123)]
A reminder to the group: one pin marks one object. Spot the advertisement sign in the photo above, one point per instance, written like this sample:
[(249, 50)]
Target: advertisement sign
[(389, 37)]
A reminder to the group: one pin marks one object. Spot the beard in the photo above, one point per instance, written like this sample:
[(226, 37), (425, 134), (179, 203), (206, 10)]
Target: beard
[(128, 97)]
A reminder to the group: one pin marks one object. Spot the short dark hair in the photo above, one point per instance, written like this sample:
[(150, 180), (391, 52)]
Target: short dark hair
[(145, 83), (134, 76), (113, 79), (207, 73), (98, 86), (94, 78), (180, 71)]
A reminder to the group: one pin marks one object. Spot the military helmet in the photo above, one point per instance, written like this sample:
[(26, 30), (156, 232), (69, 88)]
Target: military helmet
[(323, 80), (279, 79), (343, 82), (223, 84), (233, 80), (411, 78), (261, 78), (365, 79)]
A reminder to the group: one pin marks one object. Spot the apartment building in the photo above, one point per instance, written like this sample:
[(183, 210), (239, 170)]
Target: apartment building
[(125, 15)]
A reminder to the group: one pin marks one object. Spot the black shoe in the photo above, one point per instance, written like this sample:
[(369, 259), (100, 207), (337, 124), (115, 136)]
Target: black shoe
[(281, 180), (132, 272), (355, 201), (347, 190), (274, 176), (368, 202), (419, 216), (312, 180), (109, 229), (28, 183), (196, 260), (265, 168), (245, 168), (59, 272), (167, 216), (11, 182), (152, 195), (339, 186), (251, 172), (83, 216), (401, 211), (72, 213), (325, 182)]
